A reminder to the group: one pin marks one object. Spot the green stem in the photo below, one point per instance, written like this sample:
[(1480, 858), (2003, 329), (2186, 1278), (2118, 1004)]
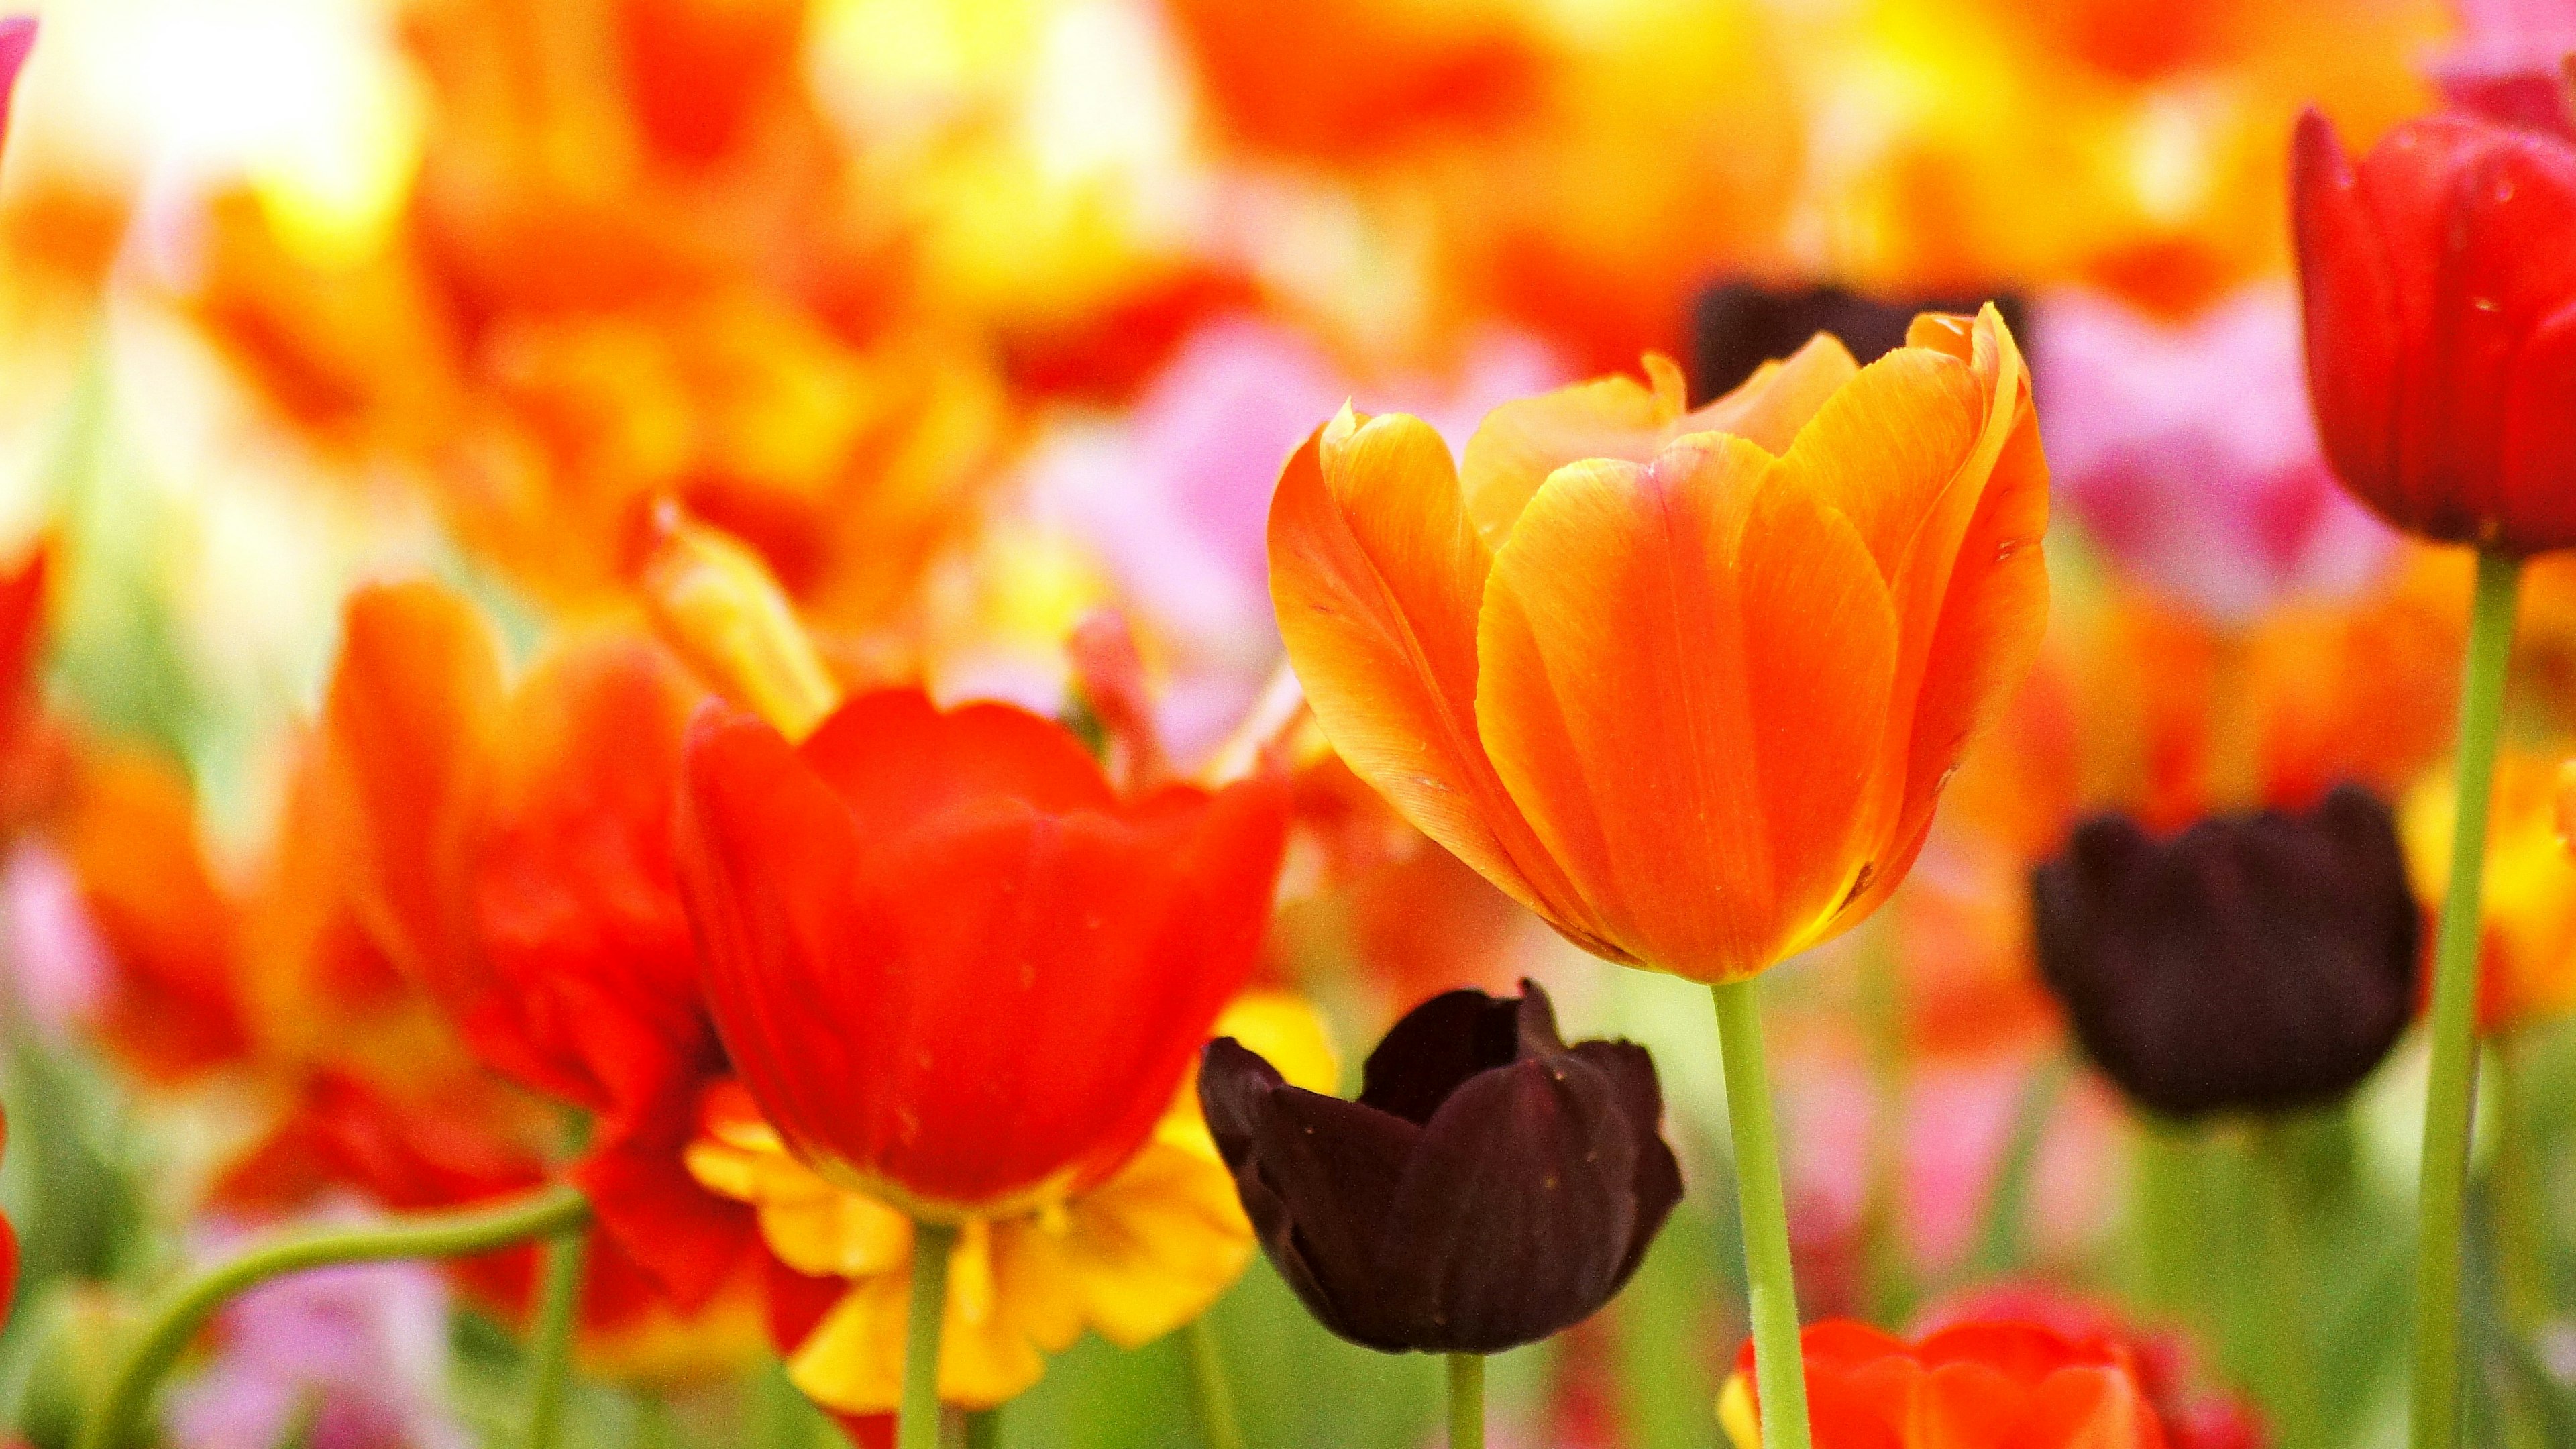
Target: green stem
[(2298, 1407), (917, 1425), (1779, 1362), (456, 1234), (2000, 1228), (1218, 1426), (2521, 1221), (550, 1338), (1466, 1401), (2451, 1093), (984, 1429)]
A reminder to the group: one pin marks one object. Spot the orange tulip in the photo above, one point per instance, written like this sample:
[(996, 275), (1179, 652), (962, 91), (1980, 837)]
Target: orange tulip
[(1686, 684), (1999, 1385)]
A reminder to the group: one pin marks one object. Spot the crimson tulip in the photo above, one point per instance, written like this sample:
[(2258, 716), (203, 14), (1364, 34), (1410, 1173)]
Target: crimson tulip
[(956, 970), (2441, 325)]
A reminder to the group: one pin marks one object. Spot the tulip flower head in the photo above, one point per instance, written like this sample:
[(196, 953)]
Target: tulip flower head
[(1490, 1187), (1993, 1385), (2527, 969), (956, 971), (2253, 963), (2441, 325), (1687, 684)]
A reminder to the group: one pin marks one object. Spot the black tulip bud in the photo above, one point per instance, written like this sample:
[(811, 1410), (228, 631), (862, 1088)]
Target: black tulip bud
[(1738, 326), (1491, 1185), (2252, 962)]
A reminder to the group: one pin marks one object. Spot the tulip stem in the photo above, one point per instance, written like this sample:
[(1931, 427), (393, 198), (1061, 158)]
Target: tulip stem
[(917, 1425), (984, 1429), (2298, 1410), (1218, 1427), (550, 1344), (1466, 1401), (174, 1325), (2451, 1092), (1779, 1363)]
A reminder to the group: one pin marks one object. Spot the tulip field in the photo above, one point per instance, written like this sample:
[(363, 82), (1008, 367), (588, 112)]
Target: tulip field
[(1365, 724)]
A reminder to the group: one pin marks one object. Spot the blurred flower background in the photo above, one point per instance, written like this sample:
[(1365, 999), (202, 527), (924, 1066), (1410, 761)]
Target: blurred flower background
[(980, 330)]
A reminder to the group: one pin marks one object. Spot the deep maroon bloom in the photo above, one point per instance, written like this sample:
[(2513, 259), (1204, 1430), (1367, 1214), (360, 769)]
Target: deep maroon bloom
[(2441, 325), (1738, 326), (1490, 1187), (2252, 962)]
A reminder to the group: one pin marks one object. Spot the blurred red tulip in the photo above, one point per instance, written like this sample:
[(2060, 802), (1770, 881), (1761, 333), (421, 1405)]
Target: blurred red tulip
[(1995, 1385), (955, 969), (2441, 325)]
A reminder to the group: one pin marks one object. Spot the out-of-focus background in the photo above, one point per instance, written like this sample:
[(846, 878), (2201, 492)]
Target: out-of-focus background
[(974, 317)]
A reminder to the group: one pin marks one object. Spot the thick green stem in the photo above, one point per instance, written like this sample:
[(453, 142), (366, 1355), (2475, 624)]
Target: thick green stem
[(984, 1429), (917, 1425), (2451, 1093), (550, 1338), (1218, 1426), (1466, 1401), (1779, 1363), (2298, 1406), (428, 1235)]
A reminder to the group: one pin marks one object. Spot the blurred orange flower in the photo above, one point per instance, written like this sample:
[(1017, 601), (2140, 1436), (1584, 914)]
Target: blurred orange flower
[(1687, 685), (1995, 1385)]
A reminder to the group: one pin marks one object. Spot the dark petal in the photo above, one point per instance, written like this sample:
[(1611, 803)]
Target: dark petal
[(1517, 1213), (1738, 326), (1316, 1175), (2252, 962), (1437, 1046), (1659, 1173)]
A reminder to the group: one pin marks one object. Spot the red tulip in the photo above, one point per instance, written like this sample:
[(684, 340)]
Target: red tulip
[(2441, 325), (954, 968), (1997, 1385)]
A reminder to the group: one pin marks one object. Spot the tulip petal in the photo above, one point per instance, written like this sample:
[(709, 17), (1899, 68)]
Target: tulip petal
[(1438, 1045), (2540, 429), (1521, 442), (1316, 1175), (2349, 306), (1686, 677), (1376, 575), (1779, 399), (1517, 1208), (417, 691), (896, 758)]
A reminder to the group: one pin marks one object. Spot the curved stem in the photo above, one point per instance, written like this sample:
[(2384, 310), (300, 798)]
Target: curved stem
[(1466, 1401), (2451, 1092), (550, 1345), (1218, 1426), (427, 1235), (917, 1425), (1779, 1363)]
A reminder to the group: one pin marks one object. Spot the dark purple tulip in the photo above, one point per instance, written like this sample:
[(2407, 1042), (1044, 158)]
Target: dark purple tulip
[(1738, 326), (1491, 1185), (2252, 962)]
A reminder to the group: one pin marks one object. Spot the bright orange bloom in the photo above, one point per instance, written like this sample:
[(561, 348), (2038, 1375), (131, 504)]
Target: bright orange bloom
[(954, 968), (518, 864), (1993, 1385), (1686, 684), (2528, 970)]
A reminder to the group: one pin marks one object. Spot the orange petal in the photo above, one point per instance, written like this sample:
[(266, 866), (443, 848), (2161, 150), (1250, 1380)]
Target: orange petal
[(1376, 574), (1521, 442), (1769, 407), (1686, 677), (405, 720)]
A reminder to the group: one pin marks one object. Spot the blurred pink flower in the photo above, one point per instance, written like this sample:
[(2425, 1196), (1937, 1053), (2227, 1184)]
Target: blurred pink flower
[(57, 966), (2508, 62), (1173, 498), (1959, 1119), (2190, 454), (357, 1352)]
